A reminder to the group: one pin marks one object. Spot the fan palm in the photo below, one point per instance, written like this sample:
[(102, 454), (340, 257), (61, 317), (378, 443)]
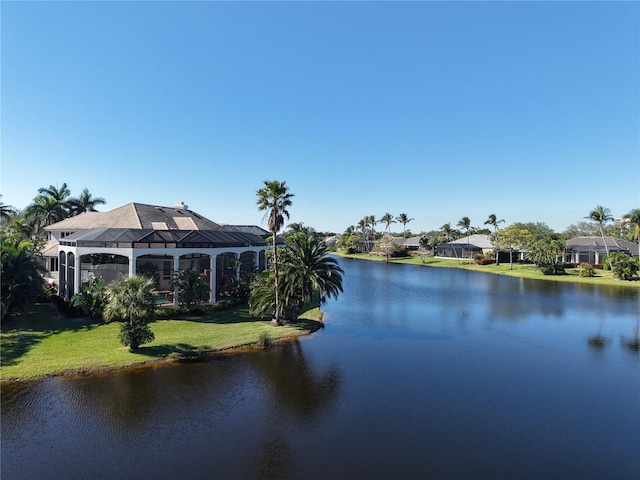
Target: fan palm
[(275, 198), (131, 299)]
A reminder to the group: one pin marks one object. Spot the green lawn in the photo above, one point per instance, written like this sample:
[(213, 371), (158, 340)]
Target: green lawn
[(519, 270), (40, 343)]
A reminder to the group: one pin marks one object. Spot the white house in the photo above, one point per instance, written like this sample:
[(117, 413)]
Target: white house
[(155, 240)]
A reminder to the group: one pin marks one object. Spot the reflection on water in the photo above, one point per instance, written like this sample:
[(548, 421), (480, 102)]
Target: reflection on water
[(419, 373)]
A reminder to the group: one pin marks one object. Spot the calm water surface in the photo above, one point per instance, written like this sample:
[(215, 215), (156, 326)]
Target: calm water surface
[(419, 373)]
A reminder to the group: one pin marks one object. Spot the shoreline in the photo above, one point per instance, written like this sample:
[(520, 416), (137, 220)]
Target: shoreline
[(527, 271), (52, 346)]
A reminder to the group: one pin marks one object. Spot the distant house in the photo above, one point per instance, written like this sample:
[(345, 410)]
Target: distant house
[(153, 240), (465, 247), (592, 249), (411, 243)]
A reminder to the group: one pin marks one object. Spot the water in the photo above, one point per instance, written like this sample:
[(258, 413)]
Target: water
[(419, 373)]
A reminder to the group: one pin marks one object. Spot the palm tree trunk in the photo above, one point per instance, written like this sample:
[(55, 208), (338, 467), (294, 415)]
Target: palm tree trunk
[(606, 249), (275, 272)]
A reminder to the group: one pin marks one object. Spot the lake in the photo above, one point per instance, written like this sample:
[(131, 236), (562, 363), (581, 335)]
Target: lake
[(419, 373)]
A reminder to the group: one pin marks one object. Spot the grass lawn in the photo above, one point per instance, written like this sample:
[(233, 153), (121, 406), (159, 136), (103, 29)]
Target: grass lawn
[(602, 277), (41, 343)]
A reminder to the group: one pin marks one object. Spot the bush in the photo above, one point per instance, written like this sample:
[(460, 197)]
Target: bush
[(586, 270), (553, 269), (483, 261), (624, 267)]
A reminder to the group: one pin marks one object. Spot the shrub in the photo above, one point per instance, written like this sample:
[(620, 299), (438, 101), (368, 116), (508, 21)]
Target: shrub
[(553, 269), (623, 266), (133, 334), (483, 261), (92, 298), (586, 270)]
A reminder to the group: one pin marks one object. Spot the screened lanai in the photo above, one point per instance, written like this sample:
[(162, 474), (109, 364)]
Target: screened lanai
[(113, 253)]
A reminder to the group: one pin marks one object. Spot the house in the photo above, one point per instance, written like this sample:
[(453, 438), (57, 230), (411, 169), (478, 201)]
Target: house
[(592, 249), (154, 240), (411, 243), (466, 247)]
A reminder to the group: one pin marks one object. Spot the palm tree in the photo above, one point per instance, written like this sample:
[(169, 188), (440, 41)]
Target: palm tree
[(191, 286), (44, 211), (601, 215), (307, 272), (21, 277), (465, 223), (6, 211), (363, 224), (371, 220), (275, 198), (310, 271), (131, 299), (387, 219), (85, 202), (633, 217), (493, 221), (403, 218), (448, 234)]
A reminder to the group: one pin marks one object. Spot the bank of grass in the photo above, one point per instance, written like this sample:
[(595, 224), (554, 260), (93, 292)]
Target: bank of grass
[(602, 277), (41, 343)]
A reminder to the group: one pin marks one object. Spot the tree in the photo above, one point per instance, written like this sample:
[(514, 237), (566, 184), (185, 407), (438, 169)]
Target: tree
[(44, 211), (511, 238), (387, 219), (371, 220), (403, 218), (6, 211), (275, 198), (493, 221), (465, 223), (537, 229), (192, 287), (131, 300), (85, 202), (545, 254), (21, 279), (623, 266), (307, 271), (601, 215), (633, 218)]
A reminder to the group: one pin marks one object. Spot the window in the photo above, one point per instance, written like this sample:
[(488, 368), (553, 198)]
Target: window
[(53, 264)]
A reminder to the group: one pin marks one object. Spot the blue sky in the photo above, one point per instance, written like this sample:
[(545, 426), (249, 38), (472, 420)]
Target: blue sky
[(527, 110)]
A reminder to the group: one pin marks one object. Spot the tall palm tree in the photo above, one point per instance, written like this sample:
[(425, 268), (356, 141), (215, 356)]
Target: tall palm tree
[(60, 194), (601, 215), (448, 234), (403, 218), (85, 202), (363, 224), (493, 221), (387, 219), (633, 217), (465, 223), (275, 198), (371, 220), (131, 299)]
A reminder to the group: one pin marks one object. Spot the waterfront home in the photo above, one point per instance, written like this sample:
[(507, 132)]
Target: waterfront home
[(154, 240)]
